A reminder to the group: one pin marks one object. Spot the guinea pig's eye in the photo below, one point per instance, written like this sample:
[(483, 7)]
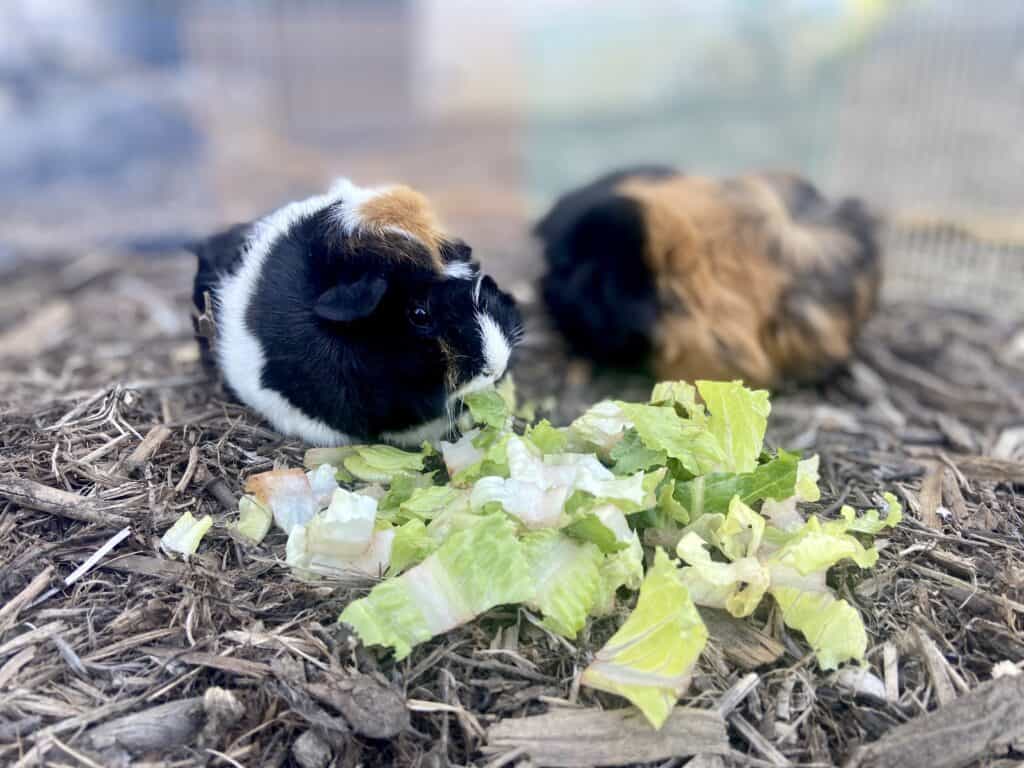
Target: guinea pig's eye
[(419, 315)]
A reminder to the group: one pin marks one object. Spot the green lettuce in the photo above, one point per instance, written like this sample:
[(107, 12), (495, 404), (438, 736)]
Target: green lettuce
[(380, 463), (254, 519), (184, 536), (411, 545), (661, 429), (649, 660), (631, 455), (738, 419), (566, 579), (476, 568), (546, 438), (488, 408)]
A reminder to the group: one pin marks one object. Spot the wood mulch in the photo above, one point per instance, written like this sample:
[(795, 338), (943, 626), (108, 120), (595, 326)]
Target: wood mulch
[(106, 424)]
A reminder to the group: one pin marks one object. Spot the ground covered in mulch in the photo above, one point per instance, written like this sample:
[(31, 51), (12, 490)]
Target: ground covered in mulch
[(106, 423)]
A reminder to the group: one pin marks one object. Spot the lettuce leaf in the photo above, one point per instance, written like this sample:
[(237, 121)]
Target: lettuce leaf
[(775, 479), (322, 481), (600, 428), (650, 658), (738, 419), (492, 461), (566, 579), (631, 455), (680, 394), (546, 438), (661, 429), (832, 627), (254, 519), (870, 522), (380, 463), (737, 587), (184, 536), (412, 544), (287, 493), (474, 570), (488, 408)]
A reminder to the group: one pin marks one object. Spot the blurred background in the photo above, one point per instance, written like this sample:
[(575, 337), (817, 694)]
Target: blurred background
[(128, 125)]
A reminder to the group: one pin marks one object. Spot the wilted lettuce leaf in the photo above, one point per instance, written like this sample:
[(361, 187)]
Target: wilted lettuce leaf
[(425, 503), (566, 579), (870, 521), (738, 419), (649, 659), (474, 570), (832, 627), (489, 408), (683, 395), (738, 587), (379, 463)]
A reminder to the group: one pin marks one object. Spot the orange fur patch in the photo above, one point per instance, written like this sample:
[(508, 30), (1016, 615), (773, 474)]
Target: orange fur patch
[(735, 275), (405, 209)]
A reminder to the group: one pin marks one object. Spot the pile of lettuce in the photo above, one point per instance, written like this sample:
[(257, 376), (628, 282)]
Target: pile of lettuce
[(675, 498)]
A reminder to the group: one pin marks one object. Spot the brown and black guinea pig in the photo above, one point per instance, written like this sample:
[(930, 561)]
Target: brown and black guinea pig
[(757, 277), (351, 316)]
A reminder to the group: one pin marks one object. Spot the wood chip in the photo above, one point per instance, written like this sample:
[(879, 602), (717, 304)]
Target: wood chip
[(983, 723), (161, 728), (11, 669), (171, 570), (586, 737), (758, 742), (150, 445), (937, 666), (373, 710), (32, 495), (10, 610), (240, 667), (931, 496), (741, 643)]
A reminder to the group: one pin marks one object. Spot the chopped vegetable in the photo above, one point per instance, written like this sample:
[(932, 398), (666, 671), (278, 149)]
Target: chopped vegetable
[(184, 536), (380, 463), (649, 659), (474, 570), (323, 482), (738, 418), (254, 519), (488, 408), (287, 493), (566, 579), (553, 519)]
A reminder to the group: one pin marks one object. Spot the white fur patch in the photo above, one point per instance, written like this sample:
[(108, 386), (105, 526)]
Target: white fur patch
[(496, 347), (240, 354), (430, 431), (459, 270), (352, 198)]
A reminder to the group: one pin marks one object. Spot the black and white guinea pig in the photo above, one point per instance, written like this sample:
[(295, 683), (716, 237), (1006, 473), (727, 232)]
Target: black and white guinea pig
[(757, 277), (351, 316)]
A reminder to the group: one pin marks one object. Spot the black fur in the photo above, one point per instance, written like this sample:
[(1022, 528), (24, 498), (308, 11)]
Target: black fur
[(215, 256), (366, 341), (598, 289)]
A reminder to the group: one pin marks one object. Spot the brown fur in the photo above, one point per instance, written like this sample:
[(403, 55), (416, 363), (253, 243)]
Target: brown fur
[(406, 209), (740, 281)]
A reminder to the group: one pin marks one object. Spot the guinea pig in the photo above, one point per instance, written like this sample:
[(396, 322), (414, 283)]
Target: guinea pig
[(758, 278), (351, 316)]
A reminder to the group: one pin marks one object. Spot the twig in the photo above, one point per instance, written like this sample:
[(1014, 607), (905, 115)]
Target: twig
[(757, 741), (89, 564), (9, 612), (32, 495)]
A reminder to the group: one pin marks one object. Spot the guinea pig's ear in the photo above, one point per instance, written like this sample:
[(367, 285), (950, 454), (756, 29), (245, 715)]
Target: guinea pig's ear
[(351, 301)]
